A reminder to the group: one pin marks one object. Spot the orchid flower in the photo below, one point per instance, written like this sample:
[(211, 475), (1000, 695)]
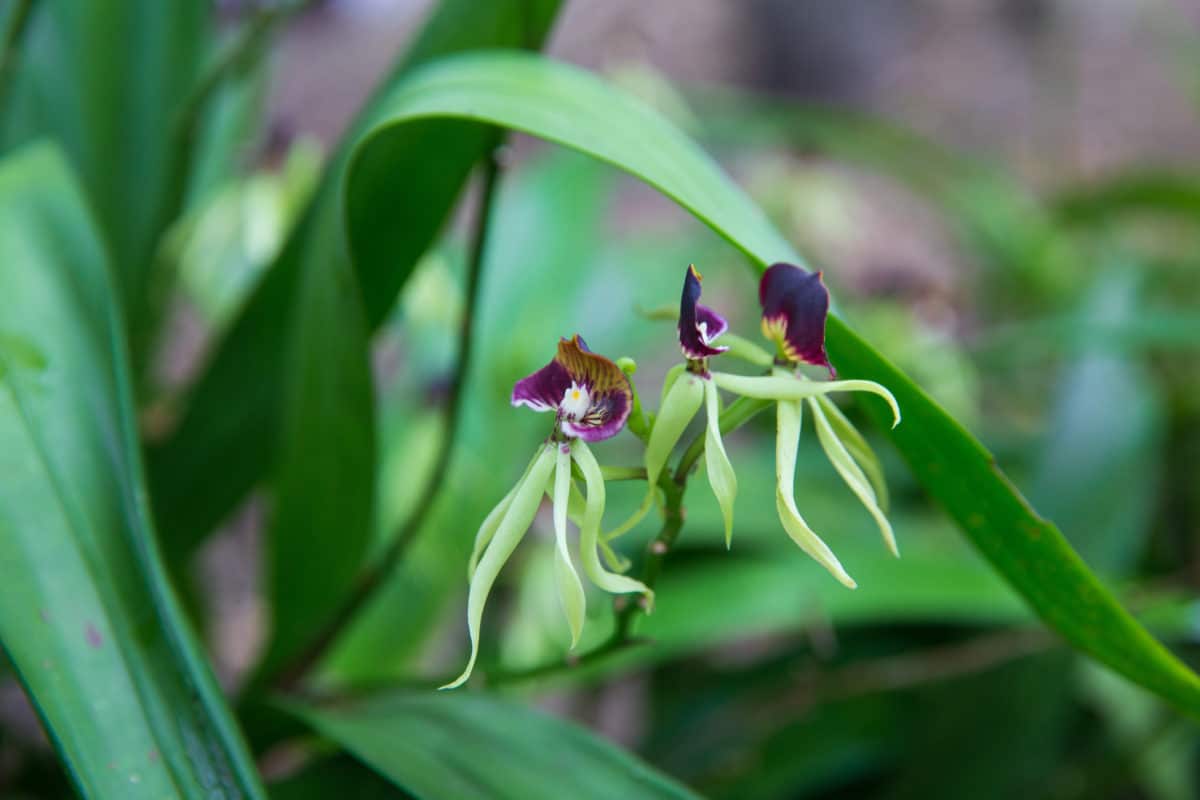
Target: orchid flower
[(795, 305), (687, 387), (591, 399)]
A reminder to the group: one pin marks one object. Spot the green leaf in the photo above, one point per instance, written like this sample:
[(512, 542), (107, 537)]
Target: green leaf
[(1145, 193), (87, 616), (565, 105), (289, 390), (106, 80), (471, 745)]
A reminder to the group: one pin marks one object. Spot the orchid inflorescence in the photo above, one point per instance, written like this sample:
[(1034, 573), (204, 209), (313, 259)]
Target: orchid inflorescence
[(592, 399)]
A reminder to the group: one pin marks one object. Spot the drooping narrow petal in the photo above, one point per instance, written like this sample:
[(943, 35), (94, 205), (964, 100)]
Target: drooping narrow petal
[(851, 473), (570, 590), (677, 410), (492, 521), (789, 414), (575, 510), (795, 304), (487, 530), (858, 447), (698, 325), (721, 477), (589, 534), (516, 521), (669, 381), (781, 386)]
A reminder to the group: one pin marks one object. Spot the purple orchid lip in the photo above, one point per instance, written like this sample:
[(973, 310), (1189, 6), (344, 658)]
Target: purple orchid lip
[(795, 304), (589, 394), (699, 325)]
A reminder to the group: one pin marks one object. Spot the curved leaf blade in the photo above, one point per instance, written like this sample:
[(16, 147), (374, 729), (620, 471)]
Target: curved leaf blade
[(86, 614), (570, 107), (467, 745)]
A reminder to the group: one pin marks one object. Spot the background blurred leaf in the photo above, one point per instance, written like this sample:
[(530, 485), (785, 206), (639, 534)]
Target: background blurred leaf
[(465, 745), (86, 614), (998, 219), (107, 80), (1140, 192), (1097, 475), (335, 776), (290, 387), (570, 107)]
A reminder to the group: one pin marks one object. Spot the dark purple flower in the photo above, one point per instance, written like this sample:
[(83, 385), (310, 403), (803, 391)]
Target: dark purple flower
[(589, 394), (698, 325), (795, 303)]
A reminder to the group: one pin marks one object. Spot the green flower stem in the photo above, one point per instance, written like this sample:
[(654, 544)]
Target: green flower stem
[(623, 473), (376, 575)]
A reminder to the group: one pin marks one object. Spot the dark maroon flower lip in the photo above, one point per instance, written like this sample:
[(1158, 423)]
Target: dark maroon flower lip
[(795, 304), (589, 394), (699, 325)]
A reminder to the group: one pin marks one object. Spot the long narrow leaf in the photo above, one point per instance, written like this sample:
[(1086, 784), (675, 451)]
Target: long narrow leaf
[(86, 614)]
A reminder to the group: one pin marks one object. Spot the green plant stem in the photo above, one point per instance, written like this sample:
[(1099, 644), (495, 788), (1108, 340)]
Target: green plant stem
[(376, 575), (10, 44)]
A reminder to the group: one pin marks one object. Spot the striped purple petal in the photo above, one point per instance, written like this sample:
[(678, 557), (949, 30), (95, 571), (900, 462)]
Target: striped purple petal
[(590, 394), (699, 325), (795, 303)]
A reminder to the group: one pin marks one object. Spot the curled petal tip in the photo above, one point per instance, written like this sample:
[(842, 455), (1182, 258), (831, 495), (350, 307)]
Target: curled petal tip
[(795, 305), (698, 325)]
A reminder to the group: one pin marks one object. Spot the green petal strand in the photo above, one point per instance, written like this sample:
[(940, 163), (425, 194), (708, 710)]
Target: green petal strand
[(576, 508), (589, 534), (788, 387), (570, 590), (721, 477), (788, 416), (487, 529), (669, 382), (492, 521), (745, 350), (679, 406), (516, 521), (851, 473), (857, 444)]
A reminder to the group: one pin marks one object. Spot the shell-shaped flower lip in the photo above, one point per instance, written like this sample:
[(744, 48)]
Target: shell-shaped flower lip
[(699, 325), (795, 304), (589, 394)]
